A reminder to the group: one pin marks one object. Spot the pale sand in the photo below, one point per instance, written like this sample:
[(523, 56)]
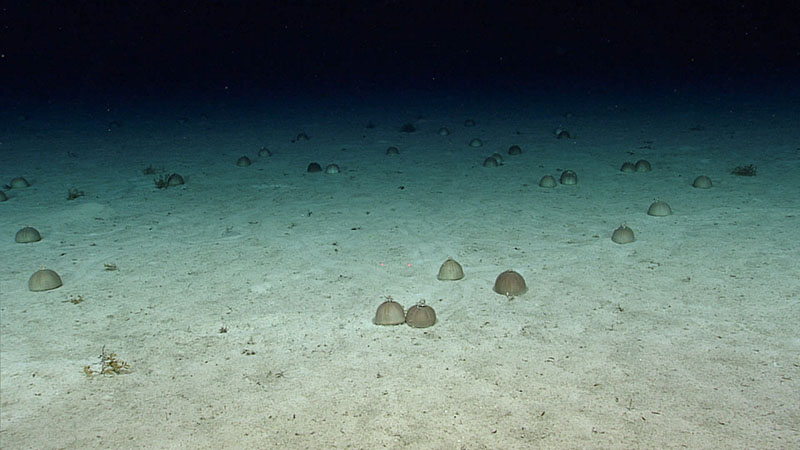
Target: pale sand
[(687, 337)]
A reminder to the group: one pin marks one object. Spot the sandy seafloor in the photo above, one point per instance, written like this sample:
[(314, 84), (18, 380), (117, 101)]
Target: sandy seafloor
[(686, 338)]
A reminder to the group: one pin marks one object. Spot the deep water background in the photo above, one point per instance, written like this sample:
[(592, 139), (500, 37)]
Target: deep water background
[(232, 51)]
